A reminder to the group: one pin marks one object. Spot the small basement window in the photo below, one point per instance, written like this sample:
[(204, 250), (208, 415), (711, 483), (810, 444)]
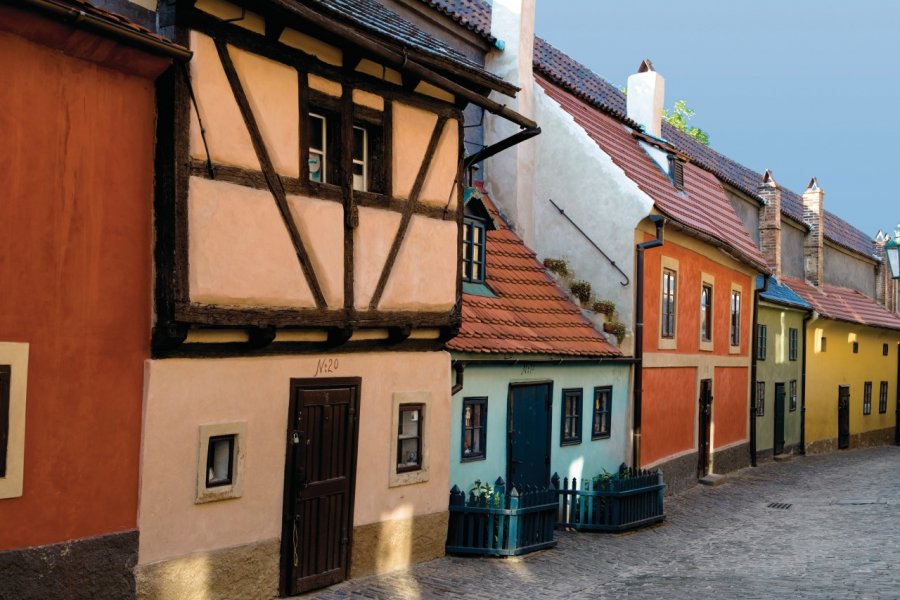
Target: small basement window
[(409, 438), (220, 460)]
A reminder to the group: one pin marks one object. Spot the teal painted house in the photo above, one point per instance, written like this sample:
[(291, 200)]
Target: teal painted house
[(538, 389)]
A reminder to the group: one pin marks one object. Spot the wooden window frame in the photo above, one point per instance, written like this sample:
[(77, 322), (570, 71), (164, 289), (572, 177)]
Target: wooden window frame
[(480, 430), (668, 315), (602, 417), (5, 381), (882, 397), (573, 420), (407, 467), (760, 398), (472, 225), (793, 343), (867, 398), (735, 308), (706, 313), (762, 332), (792, 396)]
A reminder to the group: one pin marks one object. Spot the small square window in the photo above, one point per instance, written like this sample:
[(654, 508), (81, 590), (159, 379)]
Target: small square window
[(761, 334), (409, 438), (855, 347), (220, 461), (474, 428), (570, 430), (867, 398), (792, 344), (793, 393), (760, 398), (602, 412)]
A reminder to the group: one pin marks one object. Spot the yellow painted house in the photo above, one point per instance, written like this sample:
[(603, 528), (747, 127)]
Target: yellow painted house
[(852, 346)]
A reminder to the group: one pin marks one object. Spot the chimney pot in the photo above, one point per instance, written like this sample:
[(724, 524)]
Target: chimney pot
[(644, 101)]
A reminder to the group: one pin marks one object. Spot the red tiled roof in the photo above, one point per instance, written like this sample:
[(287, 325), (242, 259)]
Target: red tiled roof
[(571, 75), (530, 314), (844, 304), (703, 206)]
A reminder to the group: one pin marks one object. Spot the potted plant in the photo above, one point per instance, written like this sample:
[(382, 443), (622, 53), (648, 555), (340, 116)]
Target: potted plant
[(558, 266), (581, 289), (617, 328), (606, 307)]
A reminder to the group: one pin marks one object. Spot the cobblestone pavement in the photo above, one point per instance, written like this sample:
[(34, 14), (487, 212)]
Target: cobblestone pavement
[(839, 539)]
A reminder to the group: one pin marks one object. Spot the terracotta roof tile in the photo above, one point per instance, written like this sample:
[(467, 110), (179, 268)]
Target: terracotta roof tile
[(530, 314), (702, 206), (844, 304), (474, 15), (585, 84)]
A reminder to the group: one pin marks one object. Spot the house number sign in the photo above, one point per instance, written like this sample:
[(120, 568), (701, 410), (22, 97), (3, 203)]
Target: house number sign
[(326, 365)]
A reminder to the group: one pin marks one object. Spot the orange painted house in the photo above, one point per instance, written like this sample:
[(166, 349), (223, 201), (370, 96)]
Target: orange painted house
[(78, 125)]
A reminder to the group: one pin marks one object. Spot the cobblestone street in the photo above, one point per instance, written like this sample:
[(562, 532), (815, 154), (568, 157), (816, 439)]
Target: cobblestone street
[(840, 538)]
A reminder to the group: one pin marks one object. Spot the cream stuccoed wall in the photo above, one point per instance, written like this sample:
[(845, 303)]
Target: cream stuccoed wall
[(595, 193), (183, 394)]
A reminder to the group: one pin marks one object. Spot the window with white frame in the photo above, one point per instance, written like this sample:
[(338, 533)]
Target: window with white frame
[(319, 151), (735, 318), (473, 254), (669, 296), (220, 462), (706, 308), (792, 401), (360, 159)]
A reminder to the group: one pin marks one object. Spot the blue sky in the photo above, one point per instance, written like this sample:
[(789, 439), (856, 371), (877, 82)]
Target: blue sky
[(803, 87)]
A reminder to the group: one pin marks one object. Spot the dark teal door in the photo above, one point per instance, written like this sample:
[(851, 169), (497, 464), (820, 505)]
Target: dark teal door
[(779, 419), (528, 443)]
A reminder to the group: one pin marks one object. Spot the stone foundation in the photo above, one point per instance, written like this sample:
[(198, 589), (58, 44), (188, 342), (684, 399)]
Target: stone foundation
[(248, 572), (763, 456), (389, 545), (93, 568), (679, 474), (867, 439), (731, 459)]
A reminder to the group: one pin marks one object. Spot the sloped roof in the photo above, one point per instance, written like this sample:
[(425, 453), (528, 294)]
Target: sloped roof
[(703, 206), (587, 85), (388, 25), (779, 293), (844, 304), (474, 15), (530, 314)]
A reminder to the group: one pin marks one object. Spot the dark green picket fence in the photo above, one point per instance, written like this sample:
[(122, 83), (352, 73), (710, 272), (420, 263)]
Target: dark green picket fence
[(502, 524), (630, 499)]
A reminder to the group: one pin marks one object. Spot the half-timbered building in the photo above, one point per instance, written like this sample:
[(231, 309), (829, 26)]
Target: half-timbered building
[(308, 213)]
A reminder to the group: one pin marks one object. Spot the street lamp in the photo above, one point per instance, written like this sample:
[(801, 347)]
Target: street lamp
[(892, 249)]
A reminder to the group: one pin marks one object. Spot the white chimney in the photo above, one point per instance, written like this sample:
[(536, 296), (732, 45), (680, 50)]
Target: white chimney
[(646, 94), (509, 174)]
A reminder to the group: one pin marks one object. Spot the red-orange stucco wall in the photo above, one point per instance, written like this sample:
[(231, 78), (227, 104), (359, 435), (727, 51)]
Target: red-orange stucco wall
[(730, 406), (75, 270), (669, 406)]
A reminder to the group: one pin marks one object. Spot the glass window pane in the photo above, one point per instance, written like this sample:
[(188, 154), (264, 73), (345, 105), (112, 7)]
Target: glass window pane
[(316, 132), (359, 143)]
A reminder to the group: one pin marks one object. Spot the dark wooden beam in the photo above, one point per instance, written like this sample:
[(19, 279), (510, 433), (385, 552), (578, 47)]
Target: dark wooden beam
[(408, 212), (351, 213), (272, 179)]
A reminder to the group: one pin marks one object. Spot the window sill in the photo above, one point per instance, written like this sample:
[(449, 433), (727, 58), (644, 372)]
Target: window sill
[(570, 442), (473, 458), (667, 343), (605, 436), (734, 349)]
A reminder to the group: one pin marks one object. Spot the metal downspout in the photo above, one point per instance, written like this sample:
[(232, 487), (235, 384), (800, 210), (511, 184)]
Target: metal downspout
[(810, 316), (754, 352), (660, 222)]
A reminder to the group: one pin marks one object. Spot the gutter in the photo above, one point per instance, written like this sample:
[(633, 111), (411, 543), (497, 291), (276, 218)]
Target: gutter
[(121, 33), (754, 353), (660, 223)]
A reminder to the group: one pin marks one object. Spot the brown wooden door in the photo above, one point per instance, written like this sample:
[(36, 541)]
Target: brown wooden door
[(320, 478), (705, 421), (843, 416)]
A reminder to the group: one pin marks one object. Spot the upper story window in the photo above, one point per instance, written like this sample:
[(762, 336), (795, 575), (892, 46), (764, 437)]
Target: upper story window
[(667, 318), (823, 345), (735, 318), (855, 347), (792, 344), (325, 151), (323, 147), (761, 335), (793, 395), (884, 349), (473, 255), (706, 298)]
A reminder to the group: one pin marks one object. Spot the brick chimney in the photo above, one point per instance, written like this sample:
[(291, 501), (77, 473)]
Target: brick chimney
[(644, 101), (770, 222), (814, 245)]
